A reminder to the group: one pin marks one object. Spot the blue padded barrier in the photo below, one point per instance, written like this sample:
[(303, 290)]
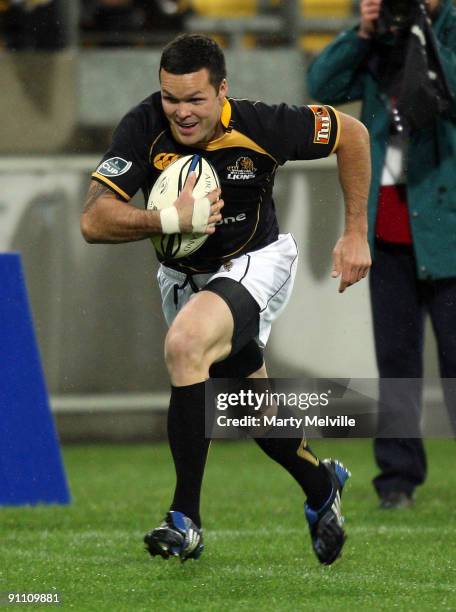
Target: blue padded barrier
[(31, 469)]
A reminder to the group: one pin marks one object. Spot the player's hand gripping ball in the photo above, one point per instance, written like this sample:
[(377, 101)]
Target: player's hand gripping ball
[(165, 192)]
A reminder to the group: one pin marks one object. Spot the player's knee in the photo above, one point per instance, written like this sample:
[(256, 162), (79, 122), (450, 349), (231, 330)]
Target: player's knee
[(184, 348)]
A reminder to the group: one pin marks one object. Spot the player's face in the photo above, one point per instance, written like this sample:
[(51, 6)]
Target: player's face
[(192, 106)]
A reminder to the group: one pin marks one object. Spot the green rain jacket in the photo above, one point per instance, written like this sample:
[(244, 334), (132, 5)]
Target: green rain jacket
[(338, 75)]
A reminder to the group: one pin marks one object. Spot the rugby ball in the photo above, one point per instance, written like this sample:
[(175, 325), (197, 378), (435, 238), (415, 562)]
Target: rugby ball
[(165, 192)]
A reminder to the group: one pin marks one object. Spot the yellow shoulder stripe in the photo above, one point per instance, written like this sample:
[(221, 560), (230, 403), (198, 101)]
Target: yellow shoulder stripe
[(153, 144), (336, 114), (111, 185), (226, 114), (234, 139)]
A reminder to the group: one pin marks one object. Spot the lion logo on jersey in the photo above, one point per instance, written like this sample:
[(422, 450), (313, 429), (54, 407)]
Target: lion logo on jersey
[(243, 169), (245, 163)]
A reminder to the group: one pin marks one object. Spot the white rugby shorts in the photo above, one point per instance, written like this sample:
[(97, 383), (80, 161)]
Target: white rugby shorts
[(268, 275)]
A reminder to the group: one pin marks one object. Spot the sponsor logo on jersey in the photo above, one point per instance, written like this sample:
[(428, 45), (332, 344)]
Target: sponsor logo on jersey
[(115, 166), (228, 220), (322, 124), (243, 169), (162, 160)]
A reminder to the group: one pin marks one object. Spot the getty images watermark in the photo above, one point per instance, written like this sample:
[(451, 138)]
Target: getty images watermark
[(268, 406), (319, 408)]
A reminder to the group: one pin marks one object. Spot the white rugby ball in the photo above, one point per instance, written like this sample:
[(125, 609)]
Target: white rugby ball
[(165, 192)]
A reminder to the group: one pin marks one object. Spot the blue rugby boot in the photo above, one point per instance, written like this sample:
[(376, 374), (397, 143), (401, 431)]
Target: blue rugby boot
[(325, 524)]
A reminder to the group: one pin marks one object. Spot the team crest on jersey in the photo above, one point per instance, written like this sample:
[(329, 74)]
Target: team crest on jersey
[(243, 169), (322, 124), (162, 160), (115, 166)]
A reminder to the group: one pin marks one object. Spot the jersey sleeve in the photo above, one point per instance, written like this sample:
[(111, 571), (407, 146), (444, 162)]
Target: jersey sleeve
[(124, 166), (297, 132)]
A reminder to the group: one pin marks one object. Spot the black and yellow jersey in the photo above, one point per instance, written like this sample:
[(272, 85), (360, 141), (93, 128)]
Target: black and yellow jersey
[(257, 139)]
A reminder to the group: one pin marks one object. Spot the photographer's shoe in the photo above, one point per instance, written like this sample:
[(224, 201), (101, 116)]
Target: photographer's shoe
[(396, 500)]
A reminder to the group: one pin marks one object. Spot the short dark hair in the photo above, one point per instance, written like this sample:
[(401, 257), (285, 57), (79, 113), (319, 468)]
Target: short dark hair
[(191, 52)]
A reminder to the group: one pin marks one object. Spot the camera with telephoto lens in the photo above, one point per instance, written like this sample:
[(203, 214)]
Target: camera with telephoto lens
[(397, 14)]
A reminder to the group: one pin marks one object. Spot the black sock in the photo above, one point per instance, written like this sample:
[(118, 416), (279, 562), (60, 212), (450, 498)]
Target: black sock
[(186, 428), (298, 459)]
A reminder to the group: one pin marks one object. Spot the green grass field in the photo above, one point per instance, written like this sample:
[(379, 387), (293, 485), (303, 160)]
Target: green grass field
[(257, 556)]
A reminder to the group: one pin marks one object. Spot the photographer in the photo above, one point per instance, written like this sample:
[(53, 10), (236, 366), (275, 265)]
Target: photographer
[(401, 62)]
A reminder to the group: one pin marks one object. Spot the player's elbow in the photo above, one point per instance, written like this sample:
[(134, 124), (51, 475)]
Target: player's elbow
[(89, 229)]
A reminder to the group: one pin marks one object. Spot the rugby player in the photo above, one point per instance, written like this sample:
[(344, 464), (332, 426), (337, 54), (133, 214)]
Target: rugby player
[(221, 300)]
